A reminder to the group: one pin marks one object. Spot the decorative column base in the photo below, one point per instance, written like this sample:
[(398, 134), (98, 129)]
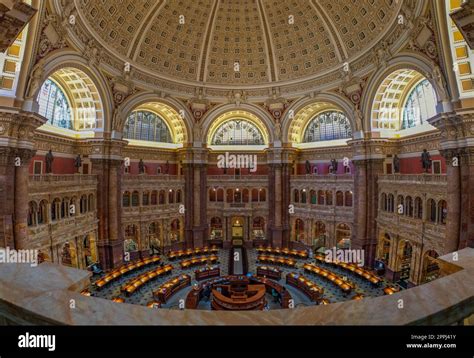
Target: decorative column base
[(110, 254)]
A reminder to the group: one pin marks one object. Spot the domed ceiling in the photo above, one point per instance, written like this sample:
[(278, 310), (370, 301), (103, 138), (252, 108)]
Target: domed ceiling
[(238, 42)]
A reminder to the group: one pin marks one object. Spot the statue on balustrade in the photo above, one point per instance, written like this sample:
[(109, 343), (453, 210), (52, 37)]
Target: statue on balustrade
[(333, 166), (49, 158), (426, 160), (308, 167), (77, 163), (396, 164), (141, 167)]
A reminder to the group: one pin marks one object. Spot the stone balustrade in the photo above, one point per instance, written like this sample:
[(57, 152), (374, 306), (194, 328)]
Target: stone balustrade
[(17, 307)]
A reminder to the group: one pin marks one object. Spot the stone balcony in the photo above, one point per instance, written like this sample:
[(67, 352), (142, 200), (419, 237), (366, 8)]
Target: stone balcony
[(152, 182), (417, 179), (249, 180), (322, 178), (237, 207), (52, 183)]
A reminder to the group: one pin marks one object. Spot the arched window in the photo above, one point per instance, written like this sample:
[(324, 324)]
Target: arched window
[(420, 105), (255, 195), (303, 196), (229, 196), (64, 208), (148, 126), (154, 197), (178, 196), (296, 196), (238, 132), (42, 212), (55, 209), (126, 199), (329, 125), (145, 198), (162, 199), (245, 196), (212, 194), (171, 196), (135, 198), (237, 196), (220, 195), (418, 208), (328, 197), (313, 197), (391, 203), (339, 198), (442, 212), (320, 197), (32, 213), (348, 198), (262, 195), (54, 106)]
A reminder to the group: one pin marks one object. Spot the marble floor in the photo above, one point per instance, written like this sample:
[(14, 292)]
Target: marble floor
[(331, 292)]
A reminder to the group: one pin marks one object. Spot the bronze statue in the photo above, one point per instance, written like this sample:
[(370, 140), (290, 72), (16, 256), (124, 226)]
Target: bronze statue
[(77, 163), (426, 161), (141, 167), (49, 158), (396, 164), (308, 167)]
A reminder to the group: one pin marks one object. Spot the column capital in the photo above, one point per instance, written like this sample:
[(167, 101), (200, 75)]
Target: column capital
[(17, 128), (368, 148), (106, 149), (8, 156)]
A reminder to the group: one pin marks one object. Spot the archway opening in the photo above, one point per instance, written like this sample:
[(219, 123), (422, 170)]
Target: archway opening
[(71, 103), (403, 103)]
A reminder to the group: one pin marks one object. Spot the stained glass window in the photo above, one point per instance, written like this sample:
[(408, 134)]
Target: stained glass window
[(238, 132), (54, 106), (329, 125), (146, 125), (420, 105)]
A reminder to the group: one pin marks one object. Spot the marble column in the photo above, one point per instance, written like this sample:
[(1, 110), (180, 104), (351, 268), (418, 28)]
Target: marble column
[(107, 165), (365, 206), (16, 150), (467, 198), (188, 172), (21, 197), (7, 196), (453, 200)]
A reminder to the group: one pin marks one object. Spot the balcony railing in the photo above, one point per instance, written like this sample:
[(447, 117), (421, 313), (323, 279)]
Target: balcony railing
[(221, 205), (75, 179), (237, 177), (150, 178), (321, 178), (414, 178)]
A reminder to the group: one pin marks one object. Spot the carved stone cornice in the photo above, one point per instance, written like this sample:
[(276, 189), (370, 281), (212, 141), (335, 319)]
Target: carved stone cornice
[(106, 149), (368, 149), (9, 156), (19, 126)]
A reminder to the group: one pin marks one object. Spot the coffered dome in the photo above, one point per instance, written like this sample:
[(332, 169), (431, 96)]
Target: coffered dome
[(238, 42)]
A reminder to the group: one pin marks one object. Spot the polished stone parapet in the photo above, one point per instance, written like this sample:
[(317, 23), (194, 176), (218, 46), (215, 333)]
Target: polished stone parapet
[(43, 294)]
